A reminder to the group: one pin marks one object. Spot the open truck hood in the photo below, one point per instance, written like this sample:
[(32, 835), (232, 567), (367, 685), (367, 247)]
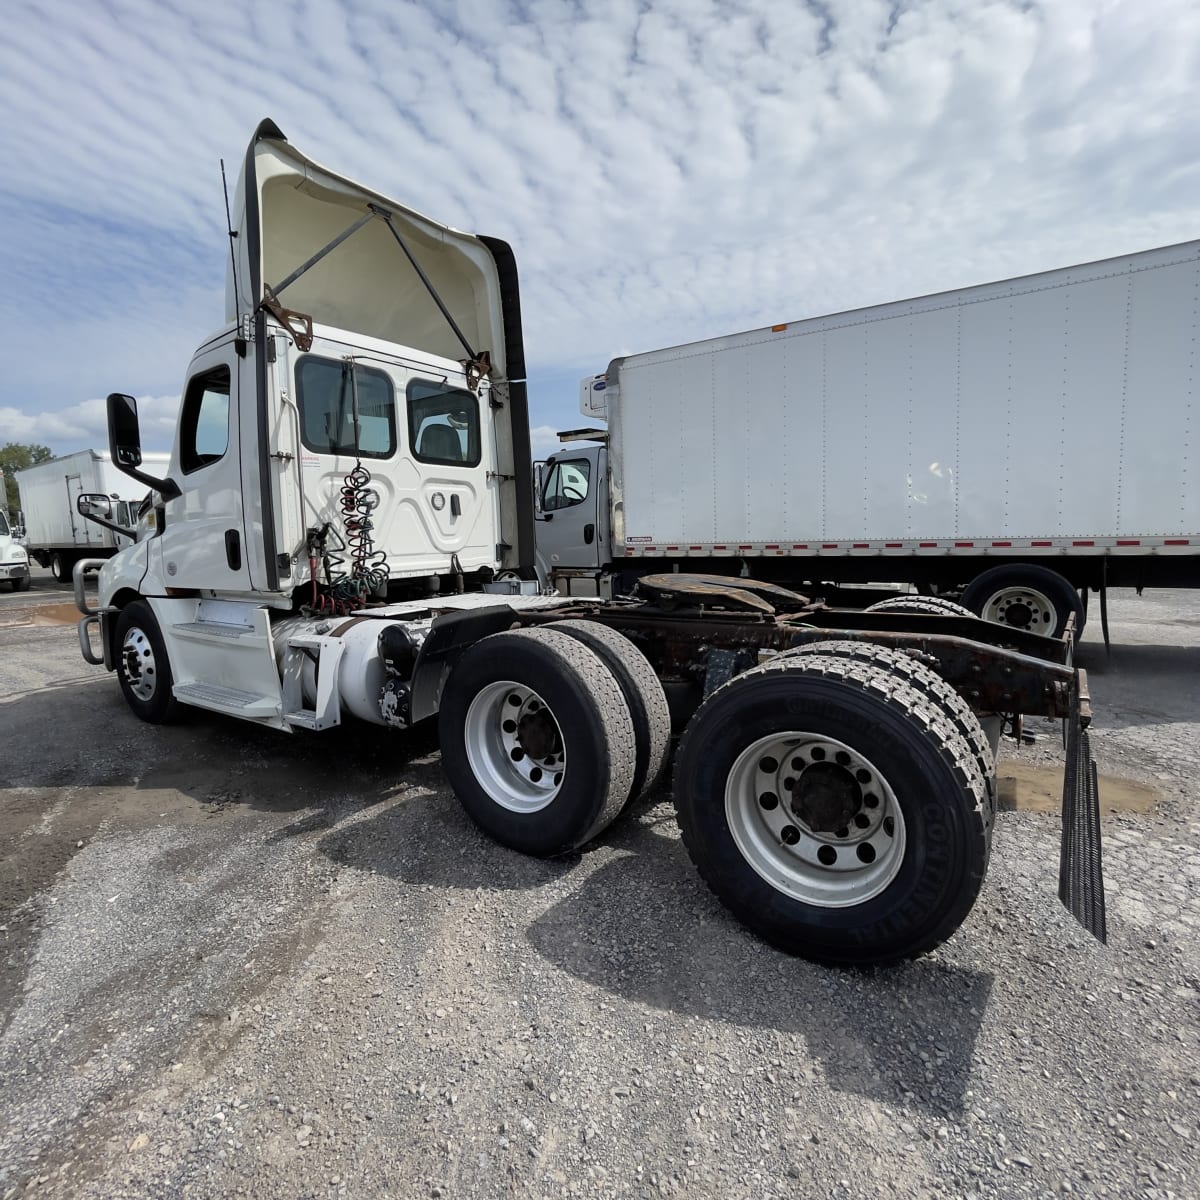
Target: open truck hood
[(287, 208)]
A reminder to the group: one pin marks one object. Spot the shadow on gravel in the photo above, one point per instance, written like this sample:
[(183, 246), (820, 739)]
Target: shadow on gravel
[(646, 928)]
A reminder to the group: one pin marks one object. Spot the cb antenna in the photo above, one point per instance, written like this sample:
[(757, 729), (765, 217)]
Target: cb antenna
[(232, 232)]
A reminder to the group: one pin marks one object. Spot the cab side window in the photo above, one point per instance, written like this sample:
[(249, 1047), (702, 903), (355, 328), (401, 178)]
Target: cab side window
[(204, 420), (567, 484)]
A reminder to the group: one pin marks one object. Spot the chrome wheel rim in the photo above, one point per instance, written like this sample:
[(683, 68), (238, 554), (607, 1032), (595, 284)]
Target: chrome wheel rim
[(515, 746), (815, 819), (1022, 608), (138, 665)]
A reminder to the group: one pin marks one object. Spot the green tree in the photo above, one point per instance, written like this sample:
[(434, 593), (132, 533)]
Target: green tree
[(16, 456)]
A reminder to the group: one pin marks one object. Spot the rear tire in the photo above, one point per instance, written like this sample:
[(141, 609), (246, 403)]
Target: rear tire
[(60, 567), (143, 668), (930, 684), (537, 740), (933, 605), (1025, 596), (644, 696), (885, 752)]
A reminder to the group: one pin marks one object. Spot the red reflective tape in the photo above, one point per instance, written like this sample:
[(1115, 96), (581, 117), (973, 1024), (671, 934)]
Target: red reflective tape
[(746, 547), (894, 545), (1176, 542), (927, 545), (695, 547), (1085, 543), (964, 544), (799, 545), (672, 547), (1040, 543), (771, 546), (720, 547), (1002, 543), (1127, 542), (862, 546), (829, 545)]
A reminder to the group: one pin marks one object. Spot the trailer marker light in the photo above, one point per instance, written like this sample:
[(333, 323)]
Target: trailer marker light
[(778, 328)]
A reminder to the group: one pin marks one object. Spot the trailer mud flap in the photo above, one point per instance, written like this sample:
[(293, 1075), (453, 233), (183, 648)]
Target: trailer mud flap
[(1080, 872)]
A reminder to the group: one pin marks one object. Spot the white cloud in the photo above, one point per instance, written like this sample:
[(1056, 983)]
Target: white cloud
[(663, 172), (85, 425), (543, 440)]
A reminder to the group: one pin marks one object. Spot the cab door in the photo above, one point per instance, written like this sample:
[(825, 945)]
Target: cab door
[(203, 539), (568, 526)]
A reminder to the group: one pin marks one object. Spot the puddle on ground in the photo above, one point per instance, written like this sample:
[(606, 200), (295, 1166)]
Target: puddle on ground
[(39, 614), (1024, 787)]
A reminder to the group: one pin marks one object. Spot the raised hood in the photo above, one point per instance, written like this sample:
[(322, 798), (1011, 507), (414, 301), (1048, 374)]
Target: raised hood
[(287, 209)]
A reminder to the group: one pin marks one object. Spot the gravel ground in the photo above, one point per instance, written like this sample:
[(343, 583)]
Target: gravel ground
[(238, 963)]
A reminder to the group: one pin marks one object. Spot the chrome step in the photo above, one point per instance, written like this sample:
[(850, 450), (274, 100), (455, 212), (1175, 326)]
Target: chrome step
[(227, 700)]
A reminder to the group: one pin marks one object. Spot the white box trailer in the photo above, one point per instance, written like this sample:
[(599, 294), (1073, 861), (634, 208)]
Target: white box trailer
[(56, 535), (1045, 426)]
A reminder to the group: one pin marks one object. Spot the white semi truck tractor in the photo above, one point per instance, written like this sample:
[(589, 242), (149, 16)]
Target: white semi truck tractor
[(346, 532)]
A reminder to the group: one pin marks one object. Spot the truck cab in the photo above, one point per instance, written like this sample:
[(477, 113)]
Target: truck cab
[(14, 561), (574, 536)]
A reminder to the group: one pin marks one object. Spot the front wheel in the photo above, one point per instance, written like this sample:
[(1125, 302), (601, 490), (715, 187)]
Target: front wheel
[(834, 810), (142, 665), (21, 583)]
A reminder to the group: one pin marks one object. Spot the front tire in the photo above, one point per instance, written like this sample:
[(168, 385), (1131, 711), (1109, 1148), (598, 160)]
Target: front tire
[(537, 740), (21, 583), (879, 856), (143, 667)]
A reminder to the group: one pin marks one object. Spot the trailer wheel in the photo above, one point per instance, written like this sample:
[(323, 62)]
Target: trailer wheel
[(60, 566), (143, 667), (834, 810), (537, 740), (644, 697), (1025, 596), (934, 605), (930, 684)]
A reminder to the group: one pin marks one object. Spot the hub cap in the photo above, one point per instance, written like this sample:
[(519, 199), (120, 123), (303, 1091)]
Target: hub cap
[(137, 660), (815, 819), (1022, 608), (515, 747)]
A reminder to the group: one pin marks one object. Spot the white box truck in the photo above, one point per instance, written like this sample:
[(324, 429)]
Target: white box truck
[(1018, 441), (57, 535), (345, 532)]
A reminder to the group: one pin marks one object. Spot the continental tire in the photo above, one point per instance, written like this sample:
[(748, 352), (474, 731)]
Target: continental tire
[(644, 697), (930, 684), (931, 605), (143, 669), (537, 740), (777, 759)]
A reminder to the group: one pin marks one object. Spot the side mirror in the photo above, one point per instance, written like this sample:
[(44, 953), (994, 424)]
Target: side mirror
[(94, 504), (124, 434), (125, 445)]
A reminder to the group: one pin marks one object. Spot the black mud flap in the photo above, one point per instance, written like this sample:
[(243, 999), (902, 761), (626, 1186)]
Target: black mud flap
[(1080, 872)]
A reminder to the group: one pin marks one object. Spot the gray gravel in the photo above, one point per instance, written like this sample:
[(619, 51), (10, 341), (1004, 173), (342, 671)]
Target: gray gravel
[(239, 963)]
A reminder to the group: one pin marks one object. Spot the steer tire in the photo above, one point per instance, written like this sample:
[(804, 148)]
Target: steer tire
[(644, 696), (931, 605), (544, 670), (143, 669), (21, 583), (924, 769), (930, 684), (985, 589)]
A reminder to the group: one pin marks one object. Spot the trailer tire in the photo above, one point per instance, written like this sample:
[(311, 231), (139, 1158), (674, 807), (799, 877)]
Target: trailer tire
[(930, 684), (882, 746), (644, 697), (568, 712), (1025, 596), (143, 668), (60, 566), (933, 605)]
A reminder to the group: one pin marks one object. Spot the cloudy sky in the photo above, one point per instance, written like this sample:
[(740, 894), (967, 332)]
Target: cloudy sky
[(665, 170)]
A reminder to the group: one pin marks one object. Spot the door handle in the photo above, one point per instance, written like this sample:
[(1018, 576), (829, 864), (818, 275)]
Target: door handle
[(589, 533), (455, 505), (233, 549)]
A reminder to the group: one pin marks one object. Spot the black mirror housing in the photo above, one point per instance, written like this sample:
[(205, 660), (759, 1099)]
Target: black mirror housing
[(125, 444)]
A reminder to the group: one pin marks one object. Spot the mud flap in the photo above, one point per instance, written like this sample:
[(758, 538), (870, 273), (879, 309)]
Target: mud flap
[(1080, 872)]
